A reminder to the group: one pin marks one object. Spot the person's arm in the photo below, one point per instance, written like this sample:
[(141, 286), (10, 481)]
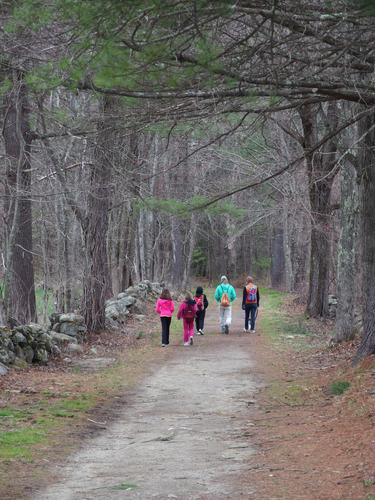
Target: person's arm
[(157, 306), (258, 296), (218, 294), (172, 306), (244, 296), (205, 302), (232, 294)]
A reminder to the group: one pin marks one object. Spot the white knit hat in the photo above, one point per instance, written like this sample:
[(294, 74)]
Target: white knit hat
[(223, 278)]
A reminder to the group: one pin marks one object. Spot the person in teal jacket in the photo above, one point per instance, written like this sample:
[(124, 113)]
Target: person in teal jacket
[(225, 294)]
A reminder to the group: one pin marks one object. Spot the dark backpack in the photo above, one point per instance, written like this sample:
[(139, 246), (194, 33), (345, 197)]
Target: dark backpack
[(200, 302)]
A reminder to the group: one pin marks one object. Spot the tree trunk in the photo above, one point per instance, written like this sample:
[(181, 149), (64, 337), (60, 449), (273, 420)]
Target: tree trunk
[(317, 304), (191, 236), (97, 282), (277, 258), (321, 175), (367, 169), (177, 269), (346, 266), (19, 284)]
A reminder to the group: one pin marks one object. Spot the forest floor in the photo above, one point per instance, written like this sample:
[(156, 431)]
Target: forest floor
[(275, 415)]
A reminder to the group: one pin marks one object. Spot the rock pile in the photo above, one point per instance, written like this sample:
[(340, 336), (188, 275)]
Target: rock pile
[(28, 343), (67, 328), (132, 300)]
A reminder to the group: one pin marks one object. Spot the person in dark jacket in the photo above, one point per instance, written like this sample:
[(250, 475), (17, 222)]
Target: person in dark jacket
[(250, 303), (202, 304)]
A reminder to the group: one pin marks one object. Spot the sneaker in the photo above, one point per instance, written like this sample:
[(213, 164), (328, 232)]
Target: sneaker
[(191, 340), (245, 330), (163, 345), (252, 331), (186, 344), (226, 329), (201, 332)]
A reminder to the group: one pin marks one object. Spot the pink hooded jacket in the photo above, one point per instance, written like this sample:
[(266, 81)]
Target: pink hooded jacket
[(164, 307)]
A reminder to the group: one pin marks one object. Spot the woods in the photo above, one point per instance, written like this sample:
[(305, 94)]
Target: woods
[(160, 140)]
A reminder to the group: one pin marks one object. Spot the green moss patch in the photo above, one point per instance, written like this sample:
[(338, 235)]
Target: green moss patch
[(339, 387)]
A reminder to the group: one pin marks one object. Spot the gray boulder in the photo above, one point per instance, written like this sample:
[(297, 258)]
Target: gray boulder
[(35, 329), (138, 307), (46, 341), (41, 356), (71, 329), (71, 318), (125, 302), (19, 338), (136, 291), (61, 338), (3, 369), (112, 312), (28, 353), (131, 290), (7, 357)]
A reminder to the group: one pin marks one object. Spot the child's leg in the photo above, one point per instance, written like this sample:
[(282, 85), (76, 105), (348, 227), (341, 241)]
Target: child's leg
[(163, 329), (228, 315), (222, 317), (253, 315), (191, 328), (186, 330), (247, 313), (197, 320), (168, 328), (201, 319)]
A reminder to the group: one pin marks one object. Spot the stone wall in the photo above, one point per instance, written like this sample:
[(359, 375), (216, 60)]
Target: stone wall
[(131, 301), (28, 343), (34, 344)]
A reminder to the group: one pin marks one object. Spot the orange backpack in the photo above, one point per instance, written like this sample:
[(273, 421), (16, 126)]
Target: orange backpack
[(225, 302)]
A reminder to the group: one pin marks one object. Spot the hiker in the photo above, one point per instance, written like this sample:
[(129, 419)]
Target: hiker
[(225, 295), (187, 312), (165, 307), (250, 303), (202, 304)]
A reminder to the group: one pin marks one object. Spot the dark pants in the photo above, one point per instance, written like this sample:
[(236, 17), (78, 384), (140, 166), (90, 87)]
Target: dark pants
[(165, 324), (199, 320), (250, 310)]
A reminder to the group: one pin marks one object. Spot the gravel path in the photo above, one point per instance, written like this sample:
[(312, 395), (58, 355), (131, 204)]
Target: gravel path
[(181, 436)]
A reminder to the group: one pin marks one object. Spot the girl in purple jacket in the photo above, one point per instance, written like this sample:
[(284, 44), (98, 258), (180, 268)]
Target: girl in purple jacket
[(165, 307), (187, 312)]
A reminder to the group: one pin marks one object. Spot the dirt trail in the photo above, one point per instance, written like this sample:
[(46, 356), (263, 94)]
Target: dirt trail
[(182, 434)]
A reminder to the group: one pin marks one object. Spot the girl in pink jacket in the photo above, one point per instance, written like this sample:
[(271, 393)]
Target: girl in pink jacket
[(187, 312), (165, 307)]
